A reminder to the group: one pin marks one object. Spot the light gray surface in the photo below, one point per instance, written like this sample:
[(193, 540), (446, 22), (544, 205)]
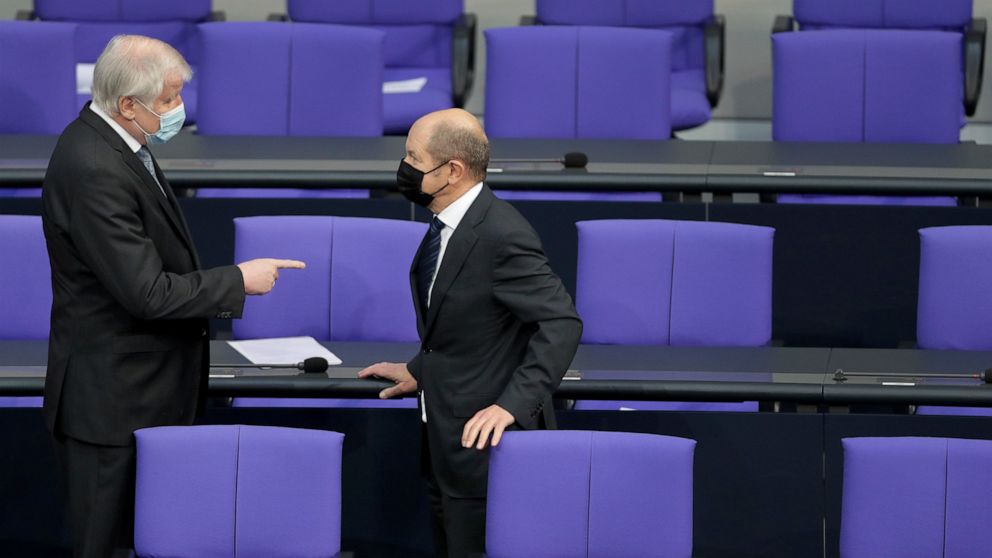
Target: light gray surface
[(747, 89)]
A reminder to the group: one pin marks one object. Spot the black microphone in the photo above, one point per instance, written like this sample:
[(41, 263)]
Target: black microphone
[(312, 365), (571, 160), (985, 376)]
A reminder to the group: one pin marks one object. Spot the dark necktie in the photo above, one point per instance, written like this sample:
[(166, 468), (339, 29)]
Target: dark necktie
[(146, 158), (428, 260)]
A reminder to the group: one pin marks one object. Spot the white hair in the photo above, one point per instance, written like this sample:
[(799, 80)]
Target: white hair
[(135, 66)]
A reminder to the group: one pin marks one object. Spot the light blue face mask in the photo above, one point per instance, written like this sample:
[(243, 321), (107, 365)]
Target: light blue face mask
[(169, 123)]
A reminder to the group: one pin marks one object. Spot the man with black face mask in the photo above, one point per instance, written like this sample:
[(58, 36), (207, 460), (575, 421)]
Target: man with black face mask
[(497, 328)]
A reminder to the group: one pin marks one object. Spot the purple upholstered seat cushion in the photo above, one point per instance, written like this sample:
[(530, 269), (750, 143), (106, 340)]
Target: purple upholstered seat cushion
[(336, 193), (321, 80), (289, 493), (403, 109), (563, 82), (867, 85), (894, 495), (624, 281), (344, 294), (721, 285), (955, 303), (25, 288), (251, 491), (690, 107), (37, 77), (895, 14), (186, 491), (608, 497), (916, 497)]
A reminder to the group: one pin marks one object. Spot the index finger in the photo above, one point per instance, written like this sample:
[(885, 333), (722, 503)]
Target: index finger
[(289, 264)]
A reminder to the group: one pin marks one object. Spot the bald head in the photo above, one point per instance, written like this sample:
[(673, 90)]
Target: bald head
[(136, 66), (454, 134)]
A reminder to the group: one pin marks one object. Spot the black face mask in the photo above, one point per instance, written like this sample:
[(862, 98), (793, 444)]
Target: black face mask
[(410, 183)]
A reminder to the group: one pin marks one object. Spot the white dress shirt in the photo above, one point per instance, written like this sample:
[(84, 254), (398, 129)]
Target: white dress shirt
[(451, 216)]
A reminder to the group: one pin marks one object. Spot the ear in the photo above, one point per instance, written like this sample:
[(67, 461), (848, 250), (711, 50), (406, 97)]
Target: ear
[(458, 171), (125, 106)]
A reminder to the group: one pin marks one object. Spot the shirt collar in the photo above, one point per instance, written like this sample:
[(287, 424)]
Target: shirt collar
[(134, 144), (452, 215)]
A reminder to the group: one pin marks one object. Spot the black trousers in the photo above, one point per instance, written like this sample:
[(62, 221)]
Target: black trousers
[(99, 485), (459, 524)]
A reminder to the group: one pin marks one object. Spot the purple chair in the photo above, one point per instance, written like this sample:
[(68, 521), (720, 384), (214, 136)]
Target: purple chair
[(697, 44), (430, 39), (338, 193), (867, 86), (172, 21), (275, 79), (678, 283), (954, 301), (25, 288), (578, 82), (356, 286), (935, 15), (593, 494), (247, 491), (915, 497)]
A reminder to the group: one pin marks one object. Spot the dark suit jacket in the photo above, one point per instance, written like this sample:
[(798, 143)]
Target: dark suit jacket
[(128, 346), (500, 329)]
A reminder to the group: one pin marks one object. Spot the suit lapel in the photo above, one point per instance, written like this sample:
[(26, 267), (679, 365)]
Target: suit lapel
[(459, 247), (413, 287), (177, 213), (135, 164)]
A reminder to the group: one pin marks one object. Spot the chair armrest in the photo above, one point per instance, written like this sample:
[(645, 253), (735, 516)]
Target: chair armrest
[(277, 17), (25, 15), (974, 63), (528, 20), (783, 24), (715, 47), (463, 58), (219, 15)]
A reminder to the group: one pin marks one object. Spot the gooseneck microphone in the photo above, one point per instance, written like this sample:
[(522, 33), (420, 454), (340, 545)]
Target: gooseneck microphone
[(985, 376), (571, 160), (312, 365)]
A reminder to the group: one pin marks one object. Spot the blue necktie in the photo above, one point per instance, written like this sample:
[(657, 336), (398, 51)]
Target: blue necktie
[(428, 261), (146, 158)]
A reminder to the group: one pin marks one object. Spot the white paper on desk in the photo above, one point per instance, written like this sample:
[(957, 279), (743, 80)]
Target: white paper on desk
[(283, 350), (404, 86), (84, 78)]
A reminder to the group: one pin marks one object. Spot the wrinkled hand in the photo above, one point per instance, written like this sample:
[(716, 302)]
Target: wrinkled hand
[(260, 275), (491, 420), (394, 372)]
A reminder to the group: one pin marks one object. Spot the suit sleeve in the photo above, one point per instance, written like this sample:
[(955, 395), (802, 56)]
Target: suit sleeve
[(106, 227), (525, 284)]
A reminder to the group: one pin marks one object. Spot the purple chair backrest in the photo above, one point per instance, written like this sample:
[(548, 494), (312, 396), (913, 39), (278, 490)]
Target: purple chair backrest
[(418, 32), (37, 77), (297, 79), (578, 82), (867, 86), (916, 497), (684, 19), (173, 21), (251, 491), (356, 286), (613, 494), (955, 303), (658, 282), (25, 288), (880, 14)]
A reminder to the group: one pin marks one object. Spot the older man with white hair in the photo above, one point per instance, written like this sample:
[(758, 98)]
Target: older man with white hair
[(128, 346)]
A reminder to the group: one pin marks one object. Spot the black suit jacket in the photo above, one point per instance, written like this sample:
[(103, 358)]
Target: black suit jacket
[(500, 329), (128, 346)]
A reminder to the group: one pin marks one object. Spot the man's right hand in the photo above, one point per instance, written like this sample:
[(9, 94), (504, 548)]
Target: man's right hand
[(395, 372), (260, 275)]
